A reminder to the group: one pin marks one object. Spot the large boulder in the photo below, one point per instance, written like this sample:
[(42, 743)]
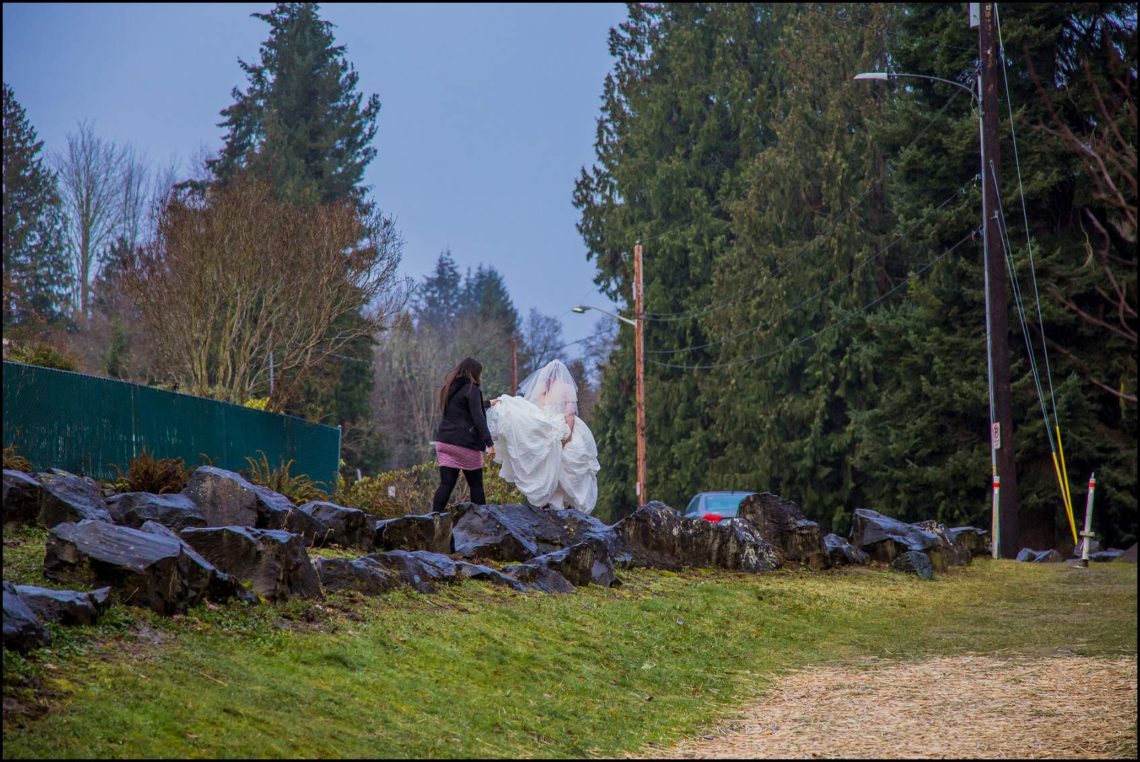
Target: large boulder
[(840, 552), (884, 539), (580, 564), (70, 498), (225, 498), (1050, 556), (951, 546), (518, 532), (22, 628), (176, 511), (65, 606), (538, 577), (1129, 555), (349, 527), (430, 531), (657, 536), (363, 575), (148, 567), (272, 561), (22, 495), (782, 523), (914, 562), (275, 511)]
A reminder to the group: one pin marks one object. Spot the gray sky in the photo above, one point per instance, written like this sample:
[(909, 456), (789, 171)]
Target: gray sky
[(488, 112)]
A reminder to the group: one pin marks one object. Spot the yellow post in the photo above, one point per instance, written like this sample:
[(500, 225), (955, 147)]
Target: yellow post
[(1064, 471), (1064, 501)]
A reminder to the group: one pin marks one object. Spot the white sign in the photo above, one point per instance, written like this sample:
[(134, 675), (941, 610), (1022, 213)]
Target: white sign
[(995, 436), (391, 490)]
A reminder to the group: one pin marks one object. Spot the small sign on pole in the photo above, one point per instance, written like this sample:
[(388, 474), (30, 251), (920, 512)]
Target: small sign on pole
[(975, 15), (995, 436)]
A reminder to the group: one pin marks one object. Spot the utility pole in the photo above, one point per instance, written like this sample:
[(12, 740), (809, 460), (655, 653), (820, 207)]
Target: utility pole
[(1005, 535), (514, 365), (639, 360)]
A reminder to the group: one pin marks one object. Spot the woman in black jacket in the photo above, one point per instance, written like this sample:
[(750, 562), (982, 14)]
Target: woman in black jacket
[(462, 433)]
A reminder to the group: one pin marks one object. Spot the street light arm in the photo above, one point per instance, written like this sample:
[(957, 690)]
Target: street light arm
[(581, 309), (883, 75)]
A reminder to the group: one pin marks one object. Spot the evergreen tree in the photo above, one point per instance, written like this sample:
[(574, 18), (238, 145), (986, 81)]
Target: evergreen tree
[(300, 122), (35, 264), (439, 299), (485, 296)]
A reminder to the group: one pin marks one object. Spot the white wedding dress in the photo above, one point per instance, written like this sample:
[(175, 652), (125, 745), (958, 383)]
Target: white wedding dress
[(528, 431)]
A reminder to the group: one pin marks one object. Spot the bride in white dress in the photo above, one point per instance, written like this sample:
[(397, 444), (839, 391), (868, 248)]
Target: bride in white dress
[(544, 448)]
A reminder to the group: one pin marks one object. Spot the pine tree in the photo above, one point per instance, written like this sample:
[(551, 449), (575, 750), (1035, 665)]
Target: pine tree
[(300, 122), (439, 299), (35, 264)]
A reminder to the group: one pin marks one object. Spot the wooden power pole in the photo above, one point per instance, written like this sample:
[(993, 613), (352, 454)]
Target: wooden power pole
[(514, 365), (639, 361), (1005, 502)]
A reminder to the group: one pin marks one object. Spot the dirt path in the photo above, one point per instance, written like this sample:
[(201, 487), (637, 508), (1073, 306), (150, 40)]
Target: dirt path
[(957, 707)]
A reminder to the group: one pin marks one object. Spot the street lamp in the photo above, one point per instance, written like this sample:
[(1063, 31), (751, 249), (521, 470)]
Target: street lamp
[(638, 323), (1004, 523)]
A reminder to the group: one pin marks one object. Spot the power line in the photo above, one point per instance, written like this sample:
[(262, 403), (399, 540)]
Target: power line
[(809, 337)]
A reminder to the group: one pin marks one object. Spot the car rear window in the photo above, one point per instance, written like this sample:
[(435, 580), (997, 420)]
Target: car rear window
[(726, 505)]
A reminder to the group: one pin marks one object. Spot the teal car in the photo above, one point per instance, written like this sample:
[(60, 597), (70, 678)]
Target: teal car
[(715, 506)]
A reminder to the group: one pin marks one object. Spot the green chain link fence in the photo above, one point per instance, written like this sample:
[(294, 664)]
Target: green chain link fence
[(86, 425)]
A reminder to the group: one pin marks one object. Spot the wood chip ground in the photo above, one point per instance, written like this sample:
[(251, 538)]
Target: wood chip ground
[(961, 707)]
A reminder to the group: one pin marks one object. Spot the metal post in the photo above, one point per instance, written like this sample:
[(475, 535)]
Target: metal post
[(997, 317), (639, 360), (271, 373), (1087, 535), (514, 366)]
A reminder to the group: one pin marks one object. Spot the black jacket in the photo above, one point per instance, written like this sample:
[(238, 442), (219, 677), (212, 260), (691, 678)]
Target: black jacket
[(464, 422)]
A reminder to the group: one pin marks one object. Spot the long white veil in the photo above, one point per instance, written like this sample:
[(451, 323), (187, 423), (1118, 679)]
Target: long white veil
[(551, 388)]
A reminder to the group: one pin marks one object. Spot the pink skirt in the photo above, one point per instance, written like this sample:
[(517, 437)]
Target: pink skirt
[(454, 456)]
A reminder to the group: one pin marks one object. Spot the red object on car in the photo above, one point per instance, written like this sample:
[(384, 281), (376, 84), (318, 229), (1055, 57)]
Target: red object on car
[(712, 517)]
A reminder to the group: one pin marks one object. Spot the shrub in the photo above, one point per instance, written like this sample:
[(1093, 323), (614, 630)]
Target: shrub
[(145, 473), (412, 490), (257, 403), (298, 488), (44, 355), (15, 462)]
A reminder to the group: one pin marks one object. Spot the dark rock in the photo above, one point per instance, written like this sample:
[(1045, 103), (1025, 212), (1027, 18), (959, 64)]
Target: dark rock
[(272, 561), (840, 552), (514, 532), (66, 497), (1109, 554), (412, 570), (226, 498), (1129, 555), (884, 539), (580, 564), (22, 628), (146, 568), (948, 549), (364, 575), (348, 527), (275, 511), (1039, 556), (65, 606), (538, 577), (176, 511), (782, 523), (975, 540), (222, 586), (657, 536), (431, 532), (22, 496), (914, 562)]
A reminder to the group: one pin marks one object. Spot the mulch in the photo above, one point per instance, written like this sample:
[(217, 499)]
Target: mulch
[(960, 707)]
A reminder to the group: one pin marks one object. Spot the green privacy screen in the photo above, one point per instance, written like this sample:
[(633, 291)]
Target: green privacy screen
[(86, 425)]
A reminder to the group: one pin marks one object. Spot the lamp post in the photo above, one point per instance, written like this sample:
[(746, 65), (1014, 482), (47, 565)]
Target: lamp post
[(1004, 534), (638, 323)]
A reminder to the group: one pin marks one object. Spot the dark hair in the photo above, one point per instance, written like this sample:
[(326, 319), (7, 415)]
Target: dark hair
[(468, 368)]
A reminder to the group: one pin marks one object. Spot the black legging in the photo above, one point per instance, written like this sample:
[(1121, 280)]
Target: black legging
[(448, 477)]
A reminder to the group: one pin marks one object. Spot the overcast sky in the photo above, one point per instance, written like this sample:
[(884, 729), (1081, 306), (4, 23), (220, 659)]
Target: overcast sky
[(488, 112)]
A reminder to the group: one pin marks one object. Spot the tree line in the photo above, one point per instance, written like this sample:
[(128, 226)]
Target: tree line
[(813, 281)]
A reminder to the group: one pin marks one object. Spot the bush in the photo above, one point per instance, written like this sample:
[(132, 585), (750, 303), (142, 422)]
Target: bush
[(299, 488), (147, 474), (15, 462), (414, 487), (44, 355)]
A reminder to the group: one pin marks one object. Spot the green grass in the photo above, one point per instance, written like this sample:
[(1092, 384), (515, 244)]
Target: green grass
[(478, 671)]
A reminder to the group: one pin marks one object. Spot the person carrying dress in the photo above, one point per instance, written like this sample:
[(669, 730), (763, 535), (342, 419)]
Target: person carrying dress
[(462, 433)]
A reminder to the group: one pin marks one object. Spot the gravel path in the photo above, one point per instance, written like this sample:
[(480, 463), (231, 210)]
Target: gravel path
[(961, 707)]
